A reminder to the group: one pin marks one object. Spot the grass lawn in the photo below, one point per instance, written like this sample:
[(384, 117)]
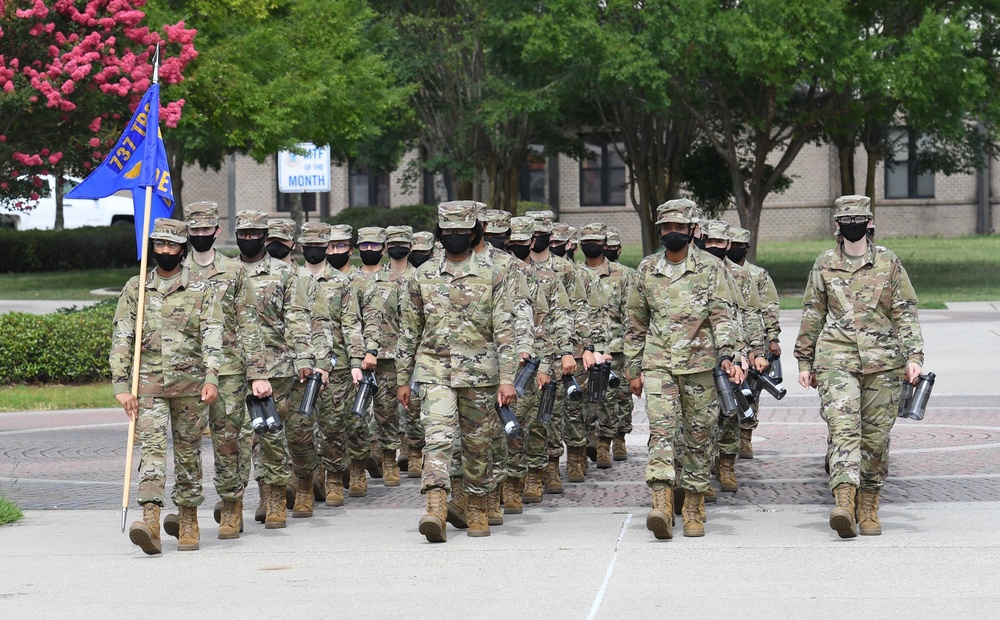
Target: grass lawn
[(47, 397), (63, 285), (9, 513)]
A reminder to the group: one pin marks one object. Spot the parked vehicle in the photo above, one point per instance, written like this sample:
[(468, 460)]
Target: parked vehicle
[(77, 212)]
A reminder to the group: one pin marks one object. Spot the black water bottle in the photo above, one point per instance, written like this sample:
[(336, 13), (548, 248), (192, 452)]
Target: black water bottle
[(605, 380), (546, 402), (271, 416), (905, 396), (313, 384), (774, 371), (526, 375), (256, 412), (594, 383), (511, 427), (745, 410), (724, 388), (614, 381), (573, 391), (767, 383), (366, 390), (921, 394)]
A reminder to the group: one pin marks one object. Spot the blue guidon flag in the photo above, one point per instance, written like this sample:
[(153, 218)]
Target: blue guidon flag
[(135, 163)]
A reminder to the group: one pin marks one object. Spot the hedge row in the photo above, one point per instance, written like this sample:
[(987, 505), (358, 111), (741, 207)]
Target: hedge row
[(67, 346), (92, 247), (420, 217)]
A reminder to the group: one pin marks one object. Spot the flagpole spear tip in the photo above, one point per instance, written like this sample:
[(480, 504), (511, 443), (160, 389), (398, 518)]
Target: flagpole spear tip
[(156, 65), (124, 516)]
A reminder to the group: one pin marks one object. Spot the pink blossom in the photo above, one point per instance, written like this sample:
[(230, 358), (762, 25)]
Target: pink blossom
[(94, 142), (34, 196), (36, 182), (44, 152), (95, 125), (3, 138), (170, 114), (68, 87), (9, 86), (55, 158), (86, 165), (4, 185)]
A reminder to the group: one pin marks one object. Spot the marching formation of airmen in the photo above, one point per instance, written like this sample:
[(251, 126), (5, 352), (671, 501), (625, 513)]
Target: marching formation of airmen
[(488, 352)]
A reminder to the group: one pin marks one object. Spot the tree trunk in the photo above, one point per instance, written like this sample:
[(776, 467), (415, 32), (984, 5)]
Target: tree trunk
[(175, 161), (873, 159), (845, 153), (59, 223), (296, 212)]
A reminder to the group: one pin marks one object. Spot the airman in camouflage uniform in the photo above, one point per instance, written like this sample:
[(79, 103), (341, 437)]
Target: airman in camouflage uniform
[(456, 337), (622, 396), (859, 330), (180, 360), (421, 248), (678, 331)]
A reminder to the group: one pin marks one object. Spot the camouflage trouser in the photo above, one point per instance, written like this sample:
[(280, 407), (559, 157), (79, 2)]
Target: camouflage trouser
[(622, 397), (270, 457), (384, 406), (151, 428), (225, 419), (358, 431), (447, 412), (300, 432), (533, 452), (412, 427), (681, 409), (187, 417), (332, 412), (727, 435), (605, 413), (859, 411), (568, 423), (752, 423)]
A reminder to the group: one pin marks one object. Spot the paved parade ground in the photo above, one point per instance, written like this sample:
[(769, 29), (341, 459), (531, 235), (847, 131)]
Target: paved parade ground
[(767, 552)]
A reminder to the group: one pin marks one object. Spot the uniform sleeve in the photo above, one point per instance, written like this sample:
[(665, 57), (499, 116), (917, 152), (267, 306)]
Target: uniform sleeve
[(904, 315), (297, 321), (813, 317), (372, 313), (503, 329), (725, 331), (123, 339), (350, 325), (636, 326), (411, 329), (321, 329), (524, 323), (770, 305), (755, 323), (248, 328), (600, 321), (212, 327)]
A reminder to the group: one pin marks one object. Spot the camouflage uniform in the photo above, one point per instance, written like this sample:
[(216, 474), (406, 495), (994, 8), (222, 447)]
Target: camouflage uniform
[(622, 397), (181, 352), (421, 242)]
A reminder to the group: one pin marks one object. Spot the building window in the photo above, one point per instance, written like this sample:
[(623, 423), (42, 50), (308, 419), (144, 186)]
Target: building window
[(602, 176), (901, 177), (532, 178), (367, 188)]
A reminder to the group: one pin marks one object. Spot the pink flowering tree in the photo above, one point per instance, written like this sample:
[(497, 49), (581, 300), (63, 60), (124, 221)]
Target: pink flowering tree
[(71, 73)]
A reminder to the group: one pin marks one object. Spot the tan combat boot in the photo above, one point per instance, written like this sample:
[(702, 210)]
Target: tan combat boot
[(512, 495), (146, 533), (334, 490), (319, 485), (575, 458), (229, 521), (265, 492), (475, 511), (217, 511), (604, 453), (727, 473), (693, 514), (618, 448), (678, 500), (710, 496), (433, 525), (660, 520), (458, 504), (359, 483), (276, 507), (415, 464), (551, 477), (172, 525), (190, 535), (390, 469), (842, 517), (746, 443), (374, 463), (868, 522), (494, 509), (302, 507), (532, 487)]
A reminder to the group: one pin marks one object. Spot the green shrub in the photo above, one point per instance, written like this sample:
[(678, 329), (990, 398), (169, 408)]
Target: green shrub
[(524, 206), (420, 217), (67, 346), (92, 247), (9, 513)]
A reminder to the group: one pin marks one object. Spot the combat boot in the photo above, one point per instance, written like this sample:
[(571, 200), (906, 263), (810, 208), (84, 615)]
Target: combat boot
[(319, 485), (604, 453), (390, 470), (842, 517), (592, 447), (868, 522), (660, 520), (217, 511), (190, 535), (373, 463), (265, 492), (146, 533), (551, 478), (334, 489), (618, 448), (172, 525), (533, 487), (746, 443), (678, 500), (276, 507), (476, 513), (403, 460), (303, 506), (458, 504), (229, 521), (512, 495), (693, 514), (359, 483), (415, 464), (727, 473), (494, 509), (575, 458), (710, 496), (433, 525)]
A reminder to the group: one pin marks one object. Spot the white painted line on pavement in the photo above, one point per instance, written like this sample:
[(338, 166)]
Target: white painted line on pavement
[(62, 428), (19, 479), (611, 569)]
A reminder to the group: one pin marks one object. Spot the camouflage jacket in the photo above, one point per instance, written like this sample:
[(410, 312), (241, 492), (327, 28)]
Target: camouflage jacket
[(182, 329), (679, 316), (380, 301), (520, 297), (616, 282), (859, 314), (769, 301), (371, 313), (750, 307), (454, 327), (347, 346), (242, 344), (553, 320), (283, 310), (582, 292)]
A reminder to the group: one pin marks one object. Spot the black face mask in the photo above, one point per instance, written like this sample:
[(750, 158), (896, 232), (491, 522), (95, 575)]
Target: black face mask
[(314, 256), (571, 254), (418, 258), (612, 255), (520, 251), (250, 247), (719, 253), (202, 243), (168, 262), (397, 252), (371, 257), (854, 232), (456, 243), (592, 250), (675, 241), (541, 243), (699, 242), (737, 254), (337, 261), (558, 249), (278, 249), (497, 242)]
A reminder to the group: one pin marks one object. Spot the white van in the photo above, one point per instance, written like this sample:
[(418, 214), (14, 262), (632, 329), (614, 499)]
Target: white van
[(77, 212)]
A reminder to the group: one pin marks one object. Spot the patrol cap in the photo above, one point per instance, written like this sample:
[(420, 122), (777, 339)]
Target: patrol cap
[(594, 232), (371, 234), (543, 220), (560, 232), (481, 210), (614, 237), (739, 235), (315, 233), (457, 214), (281, 228), (574, 235), (341, 232), (249, 219), (522, 228), (204, 213), (423, 241), (496, 222), (166, 229), (676, 211), (847, 206), (697, 215), (399, 234), (715, 229)]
